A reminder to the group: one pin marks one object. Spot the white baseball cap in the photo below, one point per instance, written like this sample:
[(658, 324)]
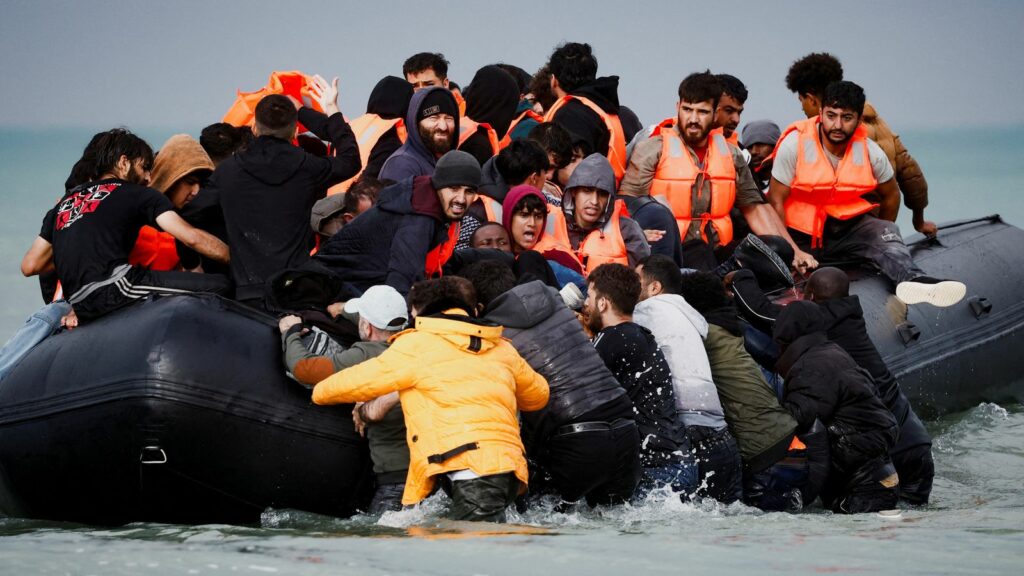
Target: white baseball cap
[(382, 306)]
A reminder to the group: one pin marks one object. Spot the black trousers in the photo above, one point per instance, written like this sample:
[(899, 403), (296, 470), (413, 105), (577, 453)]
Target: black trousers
[(864, 237), (139, 283), (602, 466), (482, 499)]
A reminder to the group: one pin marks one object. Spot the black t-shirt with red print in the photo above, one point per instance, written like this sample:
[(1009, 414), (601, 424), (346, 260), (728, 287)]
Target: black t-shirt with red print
[(94, 227)]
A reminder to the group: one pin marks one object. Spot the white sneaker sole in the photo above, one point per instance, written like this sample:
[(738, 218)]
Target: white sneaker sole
[(943, 294)]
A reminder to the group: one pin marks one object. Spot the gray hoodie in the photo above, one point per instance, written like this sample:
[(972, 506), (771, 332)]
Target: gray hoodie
[(680, 331), (595, 171)]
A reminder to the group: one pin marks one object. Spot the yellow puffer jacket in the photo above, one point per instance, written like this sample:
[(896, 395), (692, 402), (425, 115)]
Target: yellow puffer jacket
[(460, 384)]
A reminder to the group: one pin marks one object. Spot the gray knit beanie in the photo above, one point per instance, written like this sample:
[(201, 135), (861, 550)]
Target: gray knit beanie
[(760, 132), (456, 168)]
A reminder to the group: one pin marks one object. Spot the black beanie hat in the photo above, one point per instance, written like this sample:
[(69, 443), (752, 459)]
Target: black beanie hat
[(438, 101), (456, 168)]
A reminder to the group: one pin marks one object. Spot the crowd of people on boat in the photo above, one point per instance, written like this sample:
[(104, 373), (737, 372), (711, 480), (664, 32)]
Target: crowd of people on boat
[(522, 290)]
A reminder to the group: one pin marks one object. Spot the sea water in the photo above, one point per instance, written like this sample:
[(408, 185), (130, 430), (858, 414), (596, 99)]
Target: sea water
[(974, 524)]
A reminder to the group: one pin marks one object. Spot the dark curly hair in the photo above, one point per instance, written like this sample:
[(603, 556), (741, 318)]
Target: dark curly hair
[(813, 73), (426, 61), (573, 64), (733, 86), (845, 95), (704, 291), (619, 284)]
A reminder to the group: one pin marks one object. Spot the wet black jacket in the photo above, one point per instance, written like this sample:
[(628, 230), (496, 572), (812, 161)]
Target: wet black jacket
[(388, 244), (823, 381), (549, 337), (491, 98), (267, 192), (844, 322)]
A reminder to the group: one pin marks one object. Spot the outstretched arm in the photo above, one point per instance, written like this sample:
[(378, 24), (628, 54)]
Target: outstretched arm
[(777, 195), (203, 242)]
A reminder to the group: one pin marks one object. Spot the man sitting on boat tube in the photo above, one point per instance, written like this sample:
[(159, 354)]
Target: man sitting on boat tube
[(823, 169)]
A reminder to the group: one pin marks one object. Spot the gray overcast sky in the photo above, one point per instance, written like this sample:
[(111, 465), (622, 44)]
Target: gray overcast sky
[(177, 64)]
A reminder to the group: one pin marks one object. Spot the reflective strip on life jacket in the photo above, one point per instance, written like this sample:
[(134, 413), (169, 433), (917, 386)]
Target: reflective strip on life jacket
[(819, 191), (492, 208), (154, 250), (677, 174), (368, 129), (468, 127), (601, 246), (616, 135), (507, 139), (437, 257)]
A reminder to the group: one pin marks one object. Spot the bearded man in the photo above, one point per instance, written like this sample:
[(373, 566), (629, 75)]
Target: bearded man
[(689, 167)]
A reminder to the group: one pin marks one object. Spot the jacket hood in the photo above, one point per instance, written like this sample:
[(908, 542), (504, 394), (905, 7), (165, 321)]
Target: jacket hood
[(390, 98), (725, 317), (593, 171), (271, 160), (664, 305), (178, 157), (602, 91), (414, 142), (797, 319), (492, 97), (492, 183), (524, 306), (414, 195), (839, 310), (468, 334), (513, 197)]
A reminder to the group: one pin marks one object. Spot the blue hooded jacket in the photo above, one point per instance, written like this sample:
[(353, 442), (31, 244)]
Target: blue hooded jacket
[(413, 158)]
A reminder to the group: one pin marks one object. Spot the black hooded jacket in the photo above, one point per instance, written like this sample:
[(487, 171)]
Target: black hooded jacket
[(549, 337), (389, 99), (823, 382), (491, 98), (388, 244), (585, 126), (844, 323), (267, 193)]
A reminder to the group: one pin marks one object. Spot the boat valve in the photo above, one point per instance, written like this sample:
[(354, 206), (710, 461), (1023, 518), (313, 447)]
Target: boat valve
[(980, 306), (909, 333), (153, 455)]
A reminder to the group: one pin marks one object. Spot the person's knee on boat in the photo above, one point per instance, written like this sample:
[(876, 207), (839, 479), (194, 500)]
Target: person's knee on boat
[(830, 152)]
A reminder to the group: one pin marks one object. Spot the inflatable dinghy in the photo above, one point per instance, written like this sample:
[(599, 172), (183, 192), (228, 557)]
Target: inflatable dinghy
[(178, 409)]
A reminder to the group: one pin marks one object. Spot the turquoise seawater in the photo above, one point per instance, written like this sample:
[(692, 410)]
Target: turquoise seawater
[(975, 524)]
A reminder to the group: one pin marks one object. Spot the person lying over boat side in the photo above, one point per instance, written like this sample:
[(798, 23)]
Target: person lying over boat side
[(382, 314), (824, 383)]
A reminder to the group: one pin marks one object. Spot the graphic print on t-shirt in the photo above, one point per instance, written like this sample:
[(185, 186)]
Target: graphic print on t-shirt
[(73, 207)]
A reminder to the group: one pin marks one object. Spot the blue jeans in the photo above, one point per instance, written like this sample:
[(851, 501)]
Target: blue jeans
[(680, 476), (37, 328), (719, 465)]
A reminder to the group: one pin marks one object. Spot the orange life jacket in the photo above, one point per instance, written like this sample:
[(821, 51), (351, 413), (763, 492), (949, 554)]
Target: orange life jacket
[(819, 191), (437, 257), (294, 84), (616, 136), (601, 246), (734, 139), (368, 129), (508, 135), (492, 208), (460, 102), (677, 174), (468, 127), (154, 250)]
